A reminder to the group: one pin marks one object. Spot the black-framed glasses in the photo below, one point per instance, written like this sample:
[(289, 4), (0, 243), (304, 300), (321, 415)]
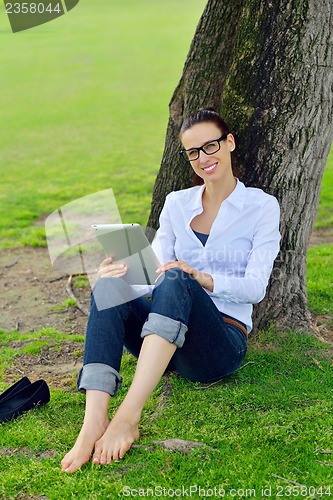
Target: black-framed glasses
[(209, 148)]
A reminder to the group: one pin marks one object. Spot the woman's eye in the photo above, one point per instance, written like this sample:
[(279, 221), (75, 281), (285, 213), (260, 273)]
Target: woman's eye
[(211, 146)]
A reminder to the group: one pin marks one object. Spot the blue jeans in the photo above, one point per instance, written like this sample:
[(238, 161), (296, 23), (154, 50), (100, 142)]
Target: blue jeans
[(180, 311)]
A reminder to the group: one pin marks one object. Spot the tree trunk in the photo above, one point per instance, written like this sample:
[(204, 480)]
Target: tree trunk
[(266, 66)]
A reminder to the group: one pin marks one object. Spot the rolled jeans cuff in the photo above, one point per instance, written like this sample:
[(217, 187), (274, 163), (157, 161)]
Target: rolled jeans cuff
[(163, 326), (99, 377)]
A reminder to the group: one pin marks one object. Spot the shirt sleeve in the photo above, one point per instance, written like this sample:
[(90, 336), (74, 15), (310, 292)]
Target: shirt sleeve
[(164, 241), (251, 287)]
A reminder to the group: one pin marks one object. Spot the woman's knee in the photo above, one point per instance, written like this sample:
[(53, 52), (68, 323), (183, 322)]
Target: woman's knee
[(174, 276)]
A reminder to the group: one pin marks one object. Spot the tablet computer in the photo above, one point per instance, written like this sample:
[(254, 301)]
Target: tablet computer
[(127, 243)]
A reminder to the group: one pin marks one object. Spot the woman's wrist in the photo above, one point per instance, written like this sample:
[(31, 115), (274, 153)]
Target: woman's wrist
[(208, 282)]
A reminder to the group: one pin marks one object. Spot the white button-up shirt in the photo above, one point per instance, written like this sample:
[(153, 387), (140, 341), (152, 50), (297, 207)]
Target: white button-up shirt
[(240, 250)]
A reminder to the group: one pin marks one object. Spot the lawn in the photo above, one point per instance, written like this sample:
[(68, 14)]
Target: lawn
[(85, 105), (267, 426)]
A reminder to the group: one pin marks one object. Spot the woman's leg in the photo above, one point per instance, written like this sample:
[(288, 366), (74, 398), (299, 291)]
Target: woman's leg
[(179, 303), (213, 348), (94, 425), (163, 333), (122, 431), (107, 329)]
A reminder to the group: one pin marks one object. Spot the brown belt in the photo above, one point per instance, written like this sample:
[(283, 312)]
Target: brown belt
[(235, 323)]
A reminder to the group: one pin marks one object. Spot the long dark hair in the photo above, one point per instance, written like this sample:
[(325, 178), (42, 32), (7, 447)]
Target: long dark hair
[(203, 115)]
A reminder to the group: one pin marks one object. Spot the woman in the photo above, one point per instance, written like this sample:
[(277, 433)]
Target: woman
[(217, 241)]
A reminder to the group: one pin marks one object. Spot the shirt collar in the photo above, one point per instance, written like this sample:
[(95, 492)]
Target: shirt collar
[(236, 198)]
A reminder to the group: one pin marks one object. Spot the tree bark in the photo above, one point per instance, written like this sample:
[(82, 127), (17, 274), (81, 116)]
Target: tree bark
[(267, 67)]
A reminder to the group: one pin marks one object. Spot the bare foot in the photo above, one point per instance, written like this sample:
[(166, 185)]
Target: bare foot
[(117, 439), (84, 445)]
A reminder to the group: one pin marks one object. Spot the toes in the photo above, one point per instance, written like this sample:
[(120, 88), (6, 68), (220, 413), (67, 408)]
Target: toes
[(71, 463), (65, 463), (113, 446), (74, 466), (109, 457), (103, 458), (124, 449), (115, 454), (97, 453)]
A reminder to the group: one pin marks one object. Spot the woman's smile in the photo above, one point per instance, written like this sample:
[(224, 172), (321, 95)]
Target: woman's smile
[(210, 168)]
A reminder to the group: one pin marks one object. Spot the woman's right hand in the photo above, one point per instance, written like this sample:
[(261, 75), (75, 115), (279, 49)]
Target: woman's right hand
[(107, 269)]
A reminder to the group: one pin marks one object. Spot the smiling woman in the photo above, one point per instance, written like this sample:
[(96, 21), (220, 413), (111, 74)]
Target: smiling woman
[(213, 153), (211, 162), (199, 317), (211, 146)]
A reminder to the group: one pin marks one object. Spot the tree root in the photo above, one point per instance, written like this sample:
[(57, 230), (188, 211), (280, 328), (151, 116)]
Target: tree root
[(70, 293)]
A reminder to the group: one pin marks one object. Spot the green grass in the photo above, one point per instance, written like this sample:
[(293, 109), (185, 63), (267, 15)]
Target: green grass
[(325, 212), (81, 281), (85, 105), (320, 279), (320, 258), (65, 305), (272, 418)]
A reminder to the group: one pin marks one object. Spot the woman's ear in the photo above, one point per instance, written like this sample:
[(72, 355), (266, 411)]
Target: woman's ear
[(231, 142)]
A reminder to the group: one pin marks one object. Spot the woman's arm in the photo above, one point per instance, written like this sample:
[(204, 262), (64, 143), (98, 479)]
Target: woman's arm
[(251, 287), (164, 241), (204, 279)]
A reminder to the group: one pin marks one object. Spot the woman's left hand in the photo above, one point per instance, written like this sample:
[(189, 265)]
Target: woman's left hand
[(204, 279)]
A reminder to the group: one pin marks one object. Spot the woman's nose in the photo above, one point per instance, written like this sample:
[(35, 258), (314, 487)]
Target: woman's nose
[(204, 155)]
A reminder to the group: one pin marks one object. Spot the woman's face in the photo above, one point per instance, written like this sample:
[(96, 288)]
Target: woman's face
[(210, 167)]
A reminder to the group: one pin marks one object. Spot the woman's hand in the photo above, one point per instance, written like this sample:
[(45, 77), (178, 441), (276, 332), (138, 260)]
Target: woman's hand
[(107, 269), (204, 279)]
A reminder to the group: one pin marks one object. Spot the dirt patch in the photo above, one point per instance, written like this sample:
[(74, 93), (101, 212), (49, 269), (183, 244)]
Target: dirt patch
[(324, 323), (31, 290), (321, 236), (27, 452), (58, 364)]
